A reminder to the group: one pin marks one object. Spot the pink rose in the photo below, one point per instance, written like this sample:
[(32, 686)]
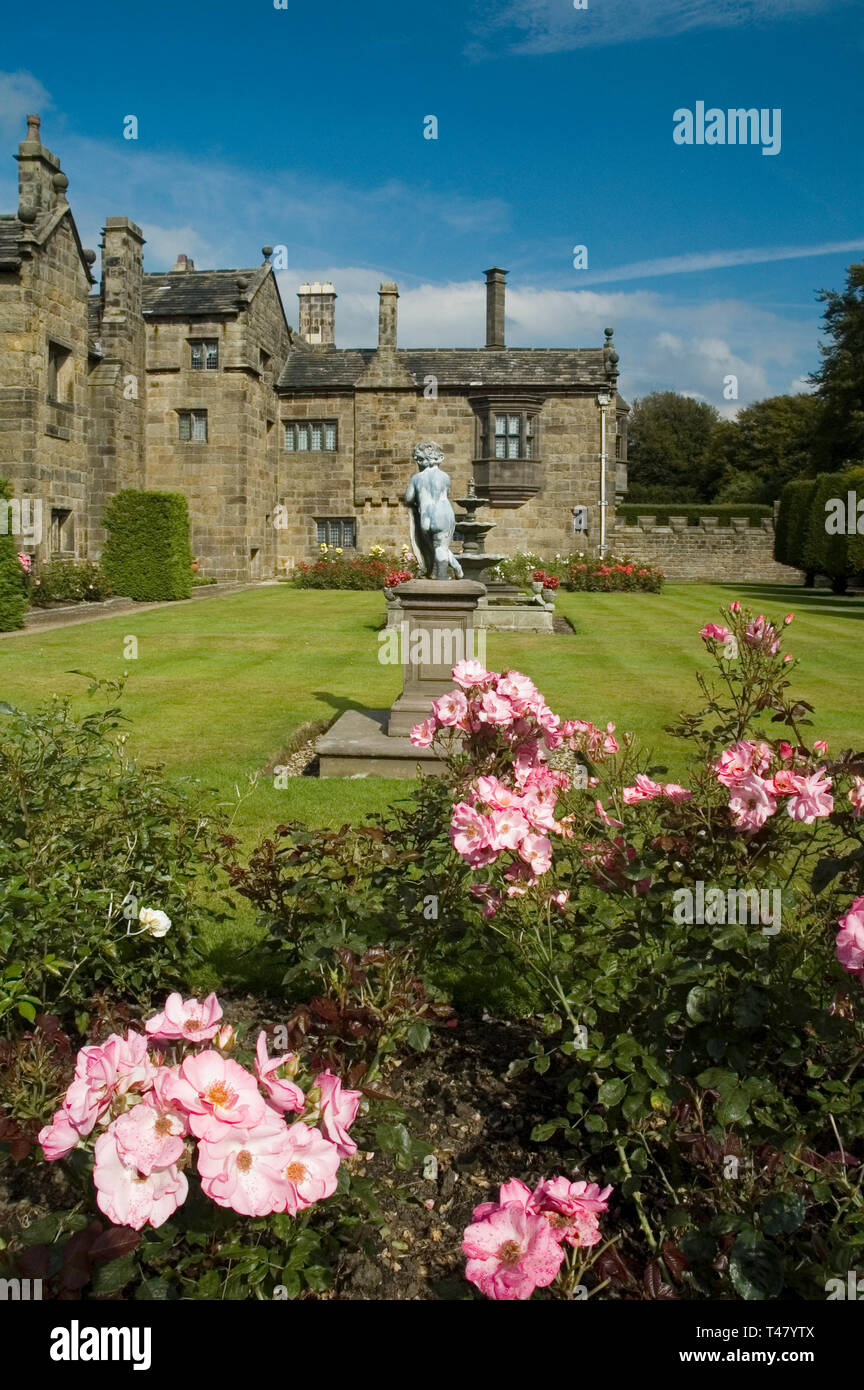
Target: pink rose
[(470, 673), (422, 735), (751, 802), (282, 1093), (149, 1137), (509, 829), (243, 1168), (130, 1198), (185, 1020), (856, 795), (215, 1091), (338, 1110), (510, 1253), (451, 709), (309, 1168), (813, 800), (571, 1208), (850, 939), (471, 834)]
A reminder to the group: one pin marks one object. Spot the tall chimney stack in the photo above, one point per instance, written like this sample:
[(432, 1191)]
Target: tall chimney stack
[(495, 290), (318, 313), (388, 296)]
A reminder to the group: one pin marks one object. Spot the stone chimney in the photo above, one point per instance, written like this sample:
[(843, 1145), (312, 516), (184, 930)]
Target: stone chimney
[(385, 368), (495, 292), (41, 183), (388, 296), (183, 263), (122, 273), (318, 313)]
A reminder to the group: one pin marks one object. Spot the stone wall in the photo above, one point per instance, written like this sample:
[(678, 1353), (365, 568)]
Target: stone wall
[(231, 481), (42, 440), (708, 552), (378, 427)]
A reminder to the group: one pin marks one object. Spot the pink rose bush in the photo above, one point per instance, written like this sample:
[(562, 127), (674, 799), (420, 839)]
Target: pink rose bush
[(517, 1244), (507, 814), (159, 1112)]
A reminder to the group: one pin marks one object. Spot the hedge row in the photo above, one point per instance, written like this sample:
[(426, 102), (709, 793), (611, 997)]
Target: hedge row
[(816, 531), (13, 593), (147, 554), (629, 512)]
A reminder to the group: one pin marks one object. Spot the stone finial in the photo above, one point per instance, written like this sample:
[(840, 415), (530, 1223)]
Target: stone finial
[(266, 252), (89, 256), (60, 183), (27, 214), (33, 136)]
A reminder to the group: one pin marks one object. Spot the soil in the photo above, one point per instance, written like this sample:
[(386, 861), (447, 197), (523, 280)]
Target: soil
[(478, 1125)]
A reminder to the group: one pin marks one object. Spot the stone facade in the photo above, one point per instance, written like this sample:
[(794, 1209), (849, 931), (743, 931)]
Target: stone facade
[(710, 553), (193, 381)]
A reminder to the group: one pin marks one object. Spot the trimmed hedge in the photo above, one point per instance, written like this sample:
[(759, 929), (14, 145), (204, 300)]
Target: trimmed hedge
[(147, 554), (13, 593), (629, 512), (793, 520), (822, 552)]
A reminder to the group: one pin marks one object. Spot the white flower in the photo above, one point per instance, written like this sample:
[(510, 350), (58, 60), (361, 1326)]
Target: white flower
[(154, 921)]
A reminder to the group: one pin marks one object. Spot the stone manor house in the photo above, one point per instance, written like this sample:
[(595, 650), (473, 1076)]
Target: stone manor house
[(194, 381)]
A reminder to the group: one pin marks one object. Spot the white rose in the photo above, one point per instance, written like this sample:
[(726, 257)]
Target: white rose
[(154, 921)]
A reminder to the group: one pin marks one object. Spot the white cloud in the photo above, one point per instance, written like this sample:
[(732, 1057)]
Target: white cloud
[(718, 260), (664, 344), (555, 26), (20, 93)]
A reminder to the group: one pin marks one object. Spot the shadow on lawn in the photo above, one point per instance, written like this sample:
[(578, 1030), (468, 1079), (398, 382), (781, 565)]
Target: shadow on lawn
[(803, 600)]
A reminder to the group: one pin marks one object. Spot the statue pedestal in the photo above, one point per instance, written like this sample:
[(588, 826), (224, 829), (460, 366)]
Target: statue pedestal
[(436, 631)]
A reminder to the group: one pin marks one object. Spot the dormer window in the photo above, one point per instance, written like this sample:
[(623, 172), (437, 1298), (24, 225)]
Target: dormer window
[(204, 354)]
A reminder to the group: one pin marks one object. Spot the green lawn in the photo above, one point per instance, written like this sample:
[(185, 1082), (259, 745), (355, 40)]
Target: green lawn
[(219, 685)]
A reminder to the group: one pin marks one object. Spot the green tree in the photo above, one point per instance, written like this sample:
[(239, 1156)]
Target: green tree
[(839, 381), (768, 444), (668, 458)]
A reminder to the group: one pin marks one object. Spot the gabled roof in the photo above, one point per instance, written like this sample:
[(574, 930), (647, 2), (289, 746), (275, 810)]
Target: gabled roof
[(201, 294), (12, 229), (339, 368)]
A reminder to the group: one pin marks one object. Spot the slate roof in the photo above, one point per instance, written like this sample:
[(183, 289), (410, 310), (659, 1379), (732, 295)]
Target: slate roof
[(10, 230), (196, 294), (334, 368)]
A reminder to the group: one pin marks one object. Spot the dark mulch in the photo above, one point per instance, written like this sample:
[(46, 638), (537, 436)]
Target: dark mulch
[(478, 1125)]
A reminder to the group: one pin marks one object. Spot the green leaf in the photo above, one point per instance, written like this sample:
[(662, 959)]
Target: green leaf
[(114, 1276), (733, 1107), (154, 1291), (755, 1267), (418, 1036), (702, 1004), (611, 1092), (782, 1213)]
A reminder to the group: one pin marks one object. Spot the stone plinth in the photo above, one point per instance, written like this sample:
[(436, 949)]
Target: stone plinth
[(358, 746), (437, 631), (436, 618)]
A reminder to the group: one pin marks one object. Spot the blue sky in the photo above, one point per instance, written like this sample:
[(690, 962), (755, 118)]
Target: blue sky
[(303, 127)]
